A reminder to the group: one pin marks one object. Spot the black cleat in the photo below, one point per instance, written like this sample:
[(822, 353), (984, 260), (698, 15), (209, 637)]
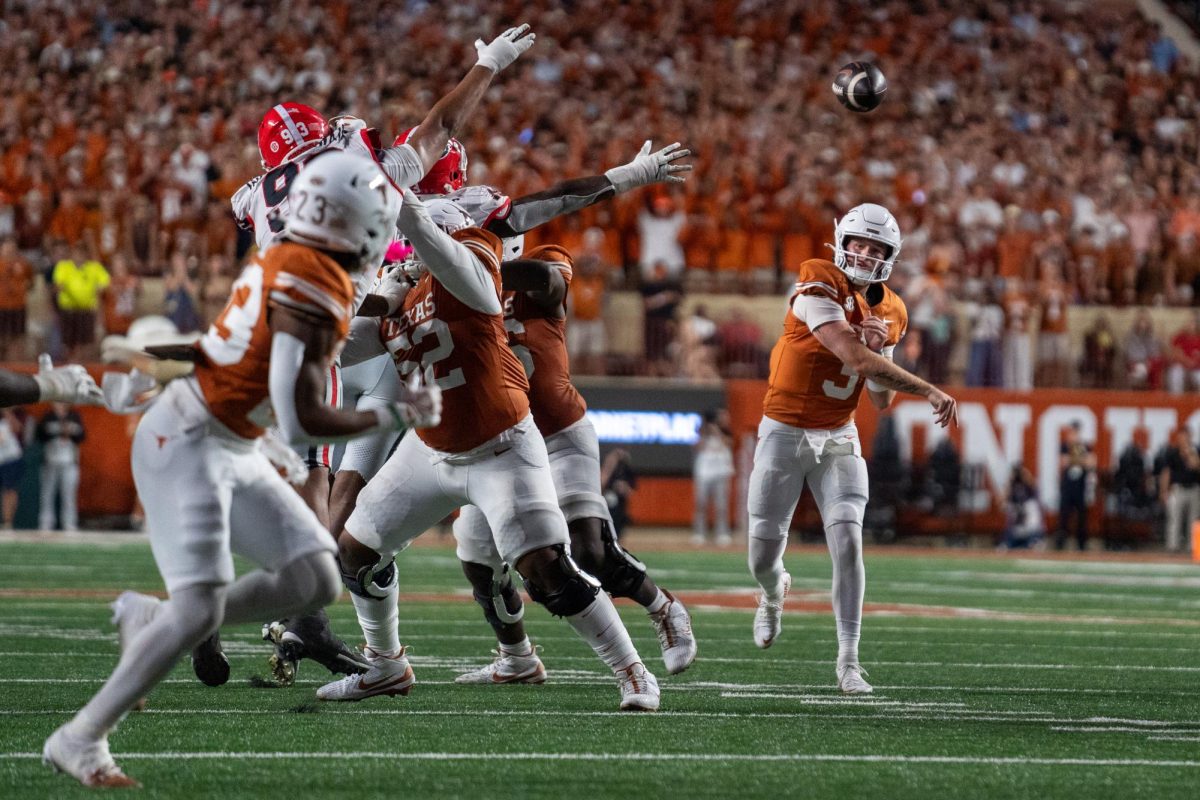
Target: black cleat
[(310, 636), (209, 662)]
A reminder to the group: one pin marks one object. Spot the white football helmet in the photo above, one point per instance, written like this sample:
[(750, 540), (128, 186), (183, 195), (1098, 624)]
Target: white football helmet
[(344, 203), (447, 215), (866, 221)]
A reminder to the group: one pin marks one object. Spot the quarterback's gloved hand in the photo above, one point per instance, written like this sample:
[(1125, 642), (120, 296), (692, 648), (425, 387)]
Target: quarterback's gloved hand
[(393, 287), (69, 384), (647, 168), (505, 48), (419, 406)]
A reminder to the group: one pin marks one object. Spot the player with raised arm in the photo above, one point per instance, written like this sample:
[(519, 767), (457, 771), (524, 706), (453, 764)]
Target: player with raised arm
[(289, 137), (207, 487), (487, 452), (841, 326), (555, 403), (66, 384), (291, 134)]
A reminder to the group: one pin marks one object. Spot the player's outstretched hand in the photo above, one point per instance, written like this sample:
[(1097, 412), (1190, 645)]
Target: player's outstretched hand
[(69, 384), (945, 407), (419, 406), (505, 48), (647, 168)]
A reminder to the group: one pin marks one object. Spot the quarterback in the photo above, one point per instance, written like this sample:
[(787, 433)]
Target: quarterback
[(208, 488), (841, 327)]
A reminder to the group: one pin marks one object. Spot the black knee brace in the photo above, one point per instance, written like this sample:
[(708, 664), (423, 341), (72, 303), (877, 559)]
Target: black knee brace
[(373, 582), (502, 605), (578, 590), (620, 574)]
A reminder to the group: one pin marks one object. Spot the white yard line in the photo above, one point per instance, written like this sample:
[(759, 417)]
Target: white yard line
[(358, 755)]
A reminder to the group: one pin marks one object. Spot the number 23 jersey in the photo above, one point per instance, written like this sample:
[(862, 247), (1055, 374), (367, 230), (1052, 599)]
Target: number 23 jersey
[(810, 387), (464, 351)]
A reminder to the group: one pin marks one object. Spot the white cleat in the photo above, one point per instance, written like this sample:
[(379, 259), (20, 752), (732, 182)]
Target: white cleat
[(508, 669), (388, 675), (133, 611), (639, 689), (850, 680), (768, 619), (88, 762), (674, 627)]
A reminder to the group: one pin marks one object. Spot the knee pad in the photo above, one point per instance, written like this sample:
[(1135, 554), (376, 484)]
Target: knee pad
[(620, 574), (502, 606), (374, 582), (578, 591), (845, 511)]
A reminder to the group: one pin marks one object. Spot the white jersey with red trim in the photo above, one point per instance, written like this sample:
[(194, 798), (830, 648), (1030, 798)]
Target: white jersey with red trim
[(485, 204), (262, 204)]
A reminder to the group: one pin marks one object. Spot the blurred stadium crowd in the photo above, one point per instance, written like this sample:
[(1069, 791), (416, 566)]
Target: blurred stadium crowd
[(1039, 156)]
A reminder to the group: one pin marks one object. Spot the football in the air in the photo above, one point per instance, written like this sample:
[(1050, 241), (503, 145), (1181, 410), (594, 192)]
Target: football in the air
[(860, 86)]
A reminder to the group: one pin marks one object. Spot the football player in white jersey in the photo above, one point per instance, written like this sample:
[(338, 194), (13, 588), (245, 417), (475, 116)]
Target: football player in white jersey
[(207, 486), (289, 137)]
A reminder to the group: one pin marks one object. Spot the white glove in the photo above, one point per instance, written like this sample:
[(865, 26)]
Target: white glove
[(284, 458), (647, 168), (69, 384), (419, 406), (504, 49), (393, 287), (129, 393)]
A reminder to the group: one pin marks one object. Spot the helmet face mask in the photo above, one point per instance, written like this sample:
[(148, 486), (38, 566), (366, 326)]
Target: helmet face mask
[(870, 223)]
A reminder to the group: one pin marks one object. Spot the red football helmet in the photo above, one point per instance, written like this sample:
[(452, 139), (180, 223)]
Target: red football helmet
[(287, 130), (449, 174)]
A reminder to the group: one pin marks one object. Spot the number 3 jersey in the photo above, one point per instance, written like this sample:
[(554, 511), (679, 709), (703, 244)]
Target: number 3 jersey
[(810, 387), (538, 337), (235, 353), (463, 350)]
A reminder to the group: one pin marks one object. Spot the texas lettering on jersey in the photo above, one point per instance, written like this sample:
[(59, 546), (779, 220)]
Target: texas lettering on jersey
[(235, 352), (810, 387), (538, 337), (462, 350)]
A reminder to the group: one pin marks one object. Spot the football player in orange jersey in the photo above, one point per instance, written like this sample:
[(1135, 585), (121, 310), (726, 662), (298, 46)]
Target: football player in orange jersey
[(841, 327), (206, 485), (535, 294), (487, 452)]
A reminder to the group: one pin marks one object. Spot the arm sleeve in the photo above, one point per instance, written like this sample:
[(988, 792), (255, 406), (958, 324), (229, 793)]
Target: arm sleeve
[(532, 210), (17, 389), (815, 310), (466, 265), (401, 164)]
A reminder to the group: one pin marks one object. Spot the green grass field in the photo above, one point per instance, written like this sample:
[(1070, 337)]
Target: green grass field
[(995, 677)]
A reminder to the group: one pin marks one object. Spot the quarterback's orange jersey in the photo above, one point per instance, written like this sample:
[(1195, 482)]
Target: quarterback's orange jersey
[(465, 351), (539, 338), (235, 354), (809, 386)]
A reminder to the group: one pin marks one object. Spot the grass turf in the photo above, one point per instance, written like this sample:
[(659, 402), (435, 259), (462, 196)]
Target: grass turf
[(1013, 677)]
